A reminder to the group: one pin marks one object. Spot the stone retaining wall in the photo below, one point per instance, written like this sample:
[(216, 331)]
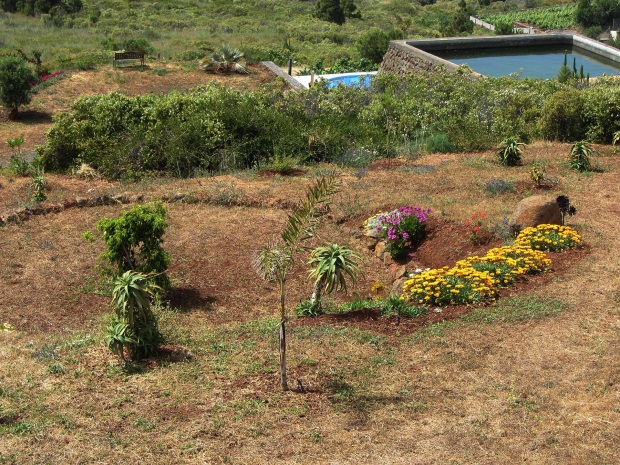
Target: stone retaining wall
[(24, 214), (401, 58)]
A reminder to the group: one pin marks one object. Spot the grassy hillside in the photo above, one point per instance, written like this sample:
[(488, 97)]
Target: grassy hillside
[(186, 30)]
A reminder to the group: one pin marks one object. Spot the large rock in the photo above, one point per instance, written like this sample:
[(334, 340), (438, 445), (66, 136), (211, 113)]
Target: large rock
[(533, 211)]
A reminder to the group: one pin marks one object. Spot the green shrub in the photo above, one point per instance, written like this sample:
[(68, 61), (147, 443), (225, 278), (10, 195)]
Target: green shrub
[(307, 308), (503, 28), (19, 166), (562, 116), (601, 110), (509, 152), (329, 10), (16, 82), (134, 242), (394, 306), (373, 45), (38, 186)]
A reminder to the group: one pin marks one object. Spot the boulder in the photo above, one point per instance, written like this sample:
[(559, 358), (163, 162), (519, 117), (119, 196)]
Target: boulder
[(533, 211)]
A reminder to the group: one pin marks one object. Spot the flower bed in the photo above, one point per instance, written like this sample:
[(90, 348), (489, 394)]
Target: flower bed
[(401, 228), (551, 237), (475, 279)]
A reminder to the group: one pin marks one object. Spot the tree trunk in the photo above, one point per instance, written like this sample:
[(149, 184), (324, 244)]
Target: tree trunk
[(316, 293), (283, 380), (282, 340)]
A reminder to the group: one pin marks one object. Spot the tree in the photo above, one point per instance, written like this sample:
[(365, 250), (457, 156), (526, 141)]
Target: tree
[(330, 10), (350, 9), (134, 242), (332, 264), (134, 326), (276, 260), (16, 82), (460, 22), (373, 45), (565, 74), (226, 59)]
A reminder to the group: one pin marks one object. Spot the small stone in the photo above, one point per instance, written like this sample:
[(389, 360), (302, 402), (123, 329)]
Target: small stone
[(81, 202), (372, 232), (371, 242), (437, 310), (380, 249), (397, 287), (397, 271)]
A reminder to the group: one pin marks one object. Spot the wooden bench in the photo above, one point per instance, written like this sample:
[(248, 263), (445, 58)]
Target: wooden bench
[(129, 56)]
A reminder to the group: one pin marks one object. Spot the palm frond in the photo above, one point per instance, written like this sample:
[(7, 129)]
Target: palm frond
[(302, 223)]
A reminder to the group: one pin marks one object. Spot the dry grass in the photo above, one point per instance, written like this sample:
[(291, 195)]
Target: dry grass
[(534, 379)]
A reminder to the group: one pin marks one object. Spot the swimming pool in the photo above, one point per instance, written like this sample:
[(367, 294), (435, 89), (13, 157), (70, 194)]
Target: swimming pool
[(347, 79)]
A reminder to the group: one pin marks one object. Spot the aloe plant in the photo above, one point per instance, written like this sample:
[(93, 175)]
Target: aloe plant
[(134, 326), (332, 264), (226, 59), (509, 152), (579, 156)]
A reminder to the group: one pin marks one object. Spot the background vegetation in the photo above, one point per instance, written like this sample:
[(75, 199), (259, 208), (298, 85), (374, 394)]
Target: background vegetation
[(264, 30), (225, 129)]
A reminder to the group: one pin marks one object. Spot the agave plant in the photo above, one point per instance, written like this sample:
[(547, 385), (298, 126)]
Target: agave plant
[(509, 152), (226, 59), (579, 156), (134, 326), (332, 264)]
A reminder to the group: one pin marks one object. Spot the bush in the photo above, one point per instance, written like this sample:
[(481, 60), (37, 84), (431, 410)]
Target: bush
[(16, 82), (373, 45), (307, 308), (562, 116), (498, 186), (503, 28), (19, 166), (329, 10), (130, 44), (395, 306), (133, 242)]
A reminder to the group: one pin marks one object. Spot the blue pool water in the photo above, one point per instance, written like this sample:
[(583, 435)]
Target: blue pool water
[(537, 62), (359, 80)]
